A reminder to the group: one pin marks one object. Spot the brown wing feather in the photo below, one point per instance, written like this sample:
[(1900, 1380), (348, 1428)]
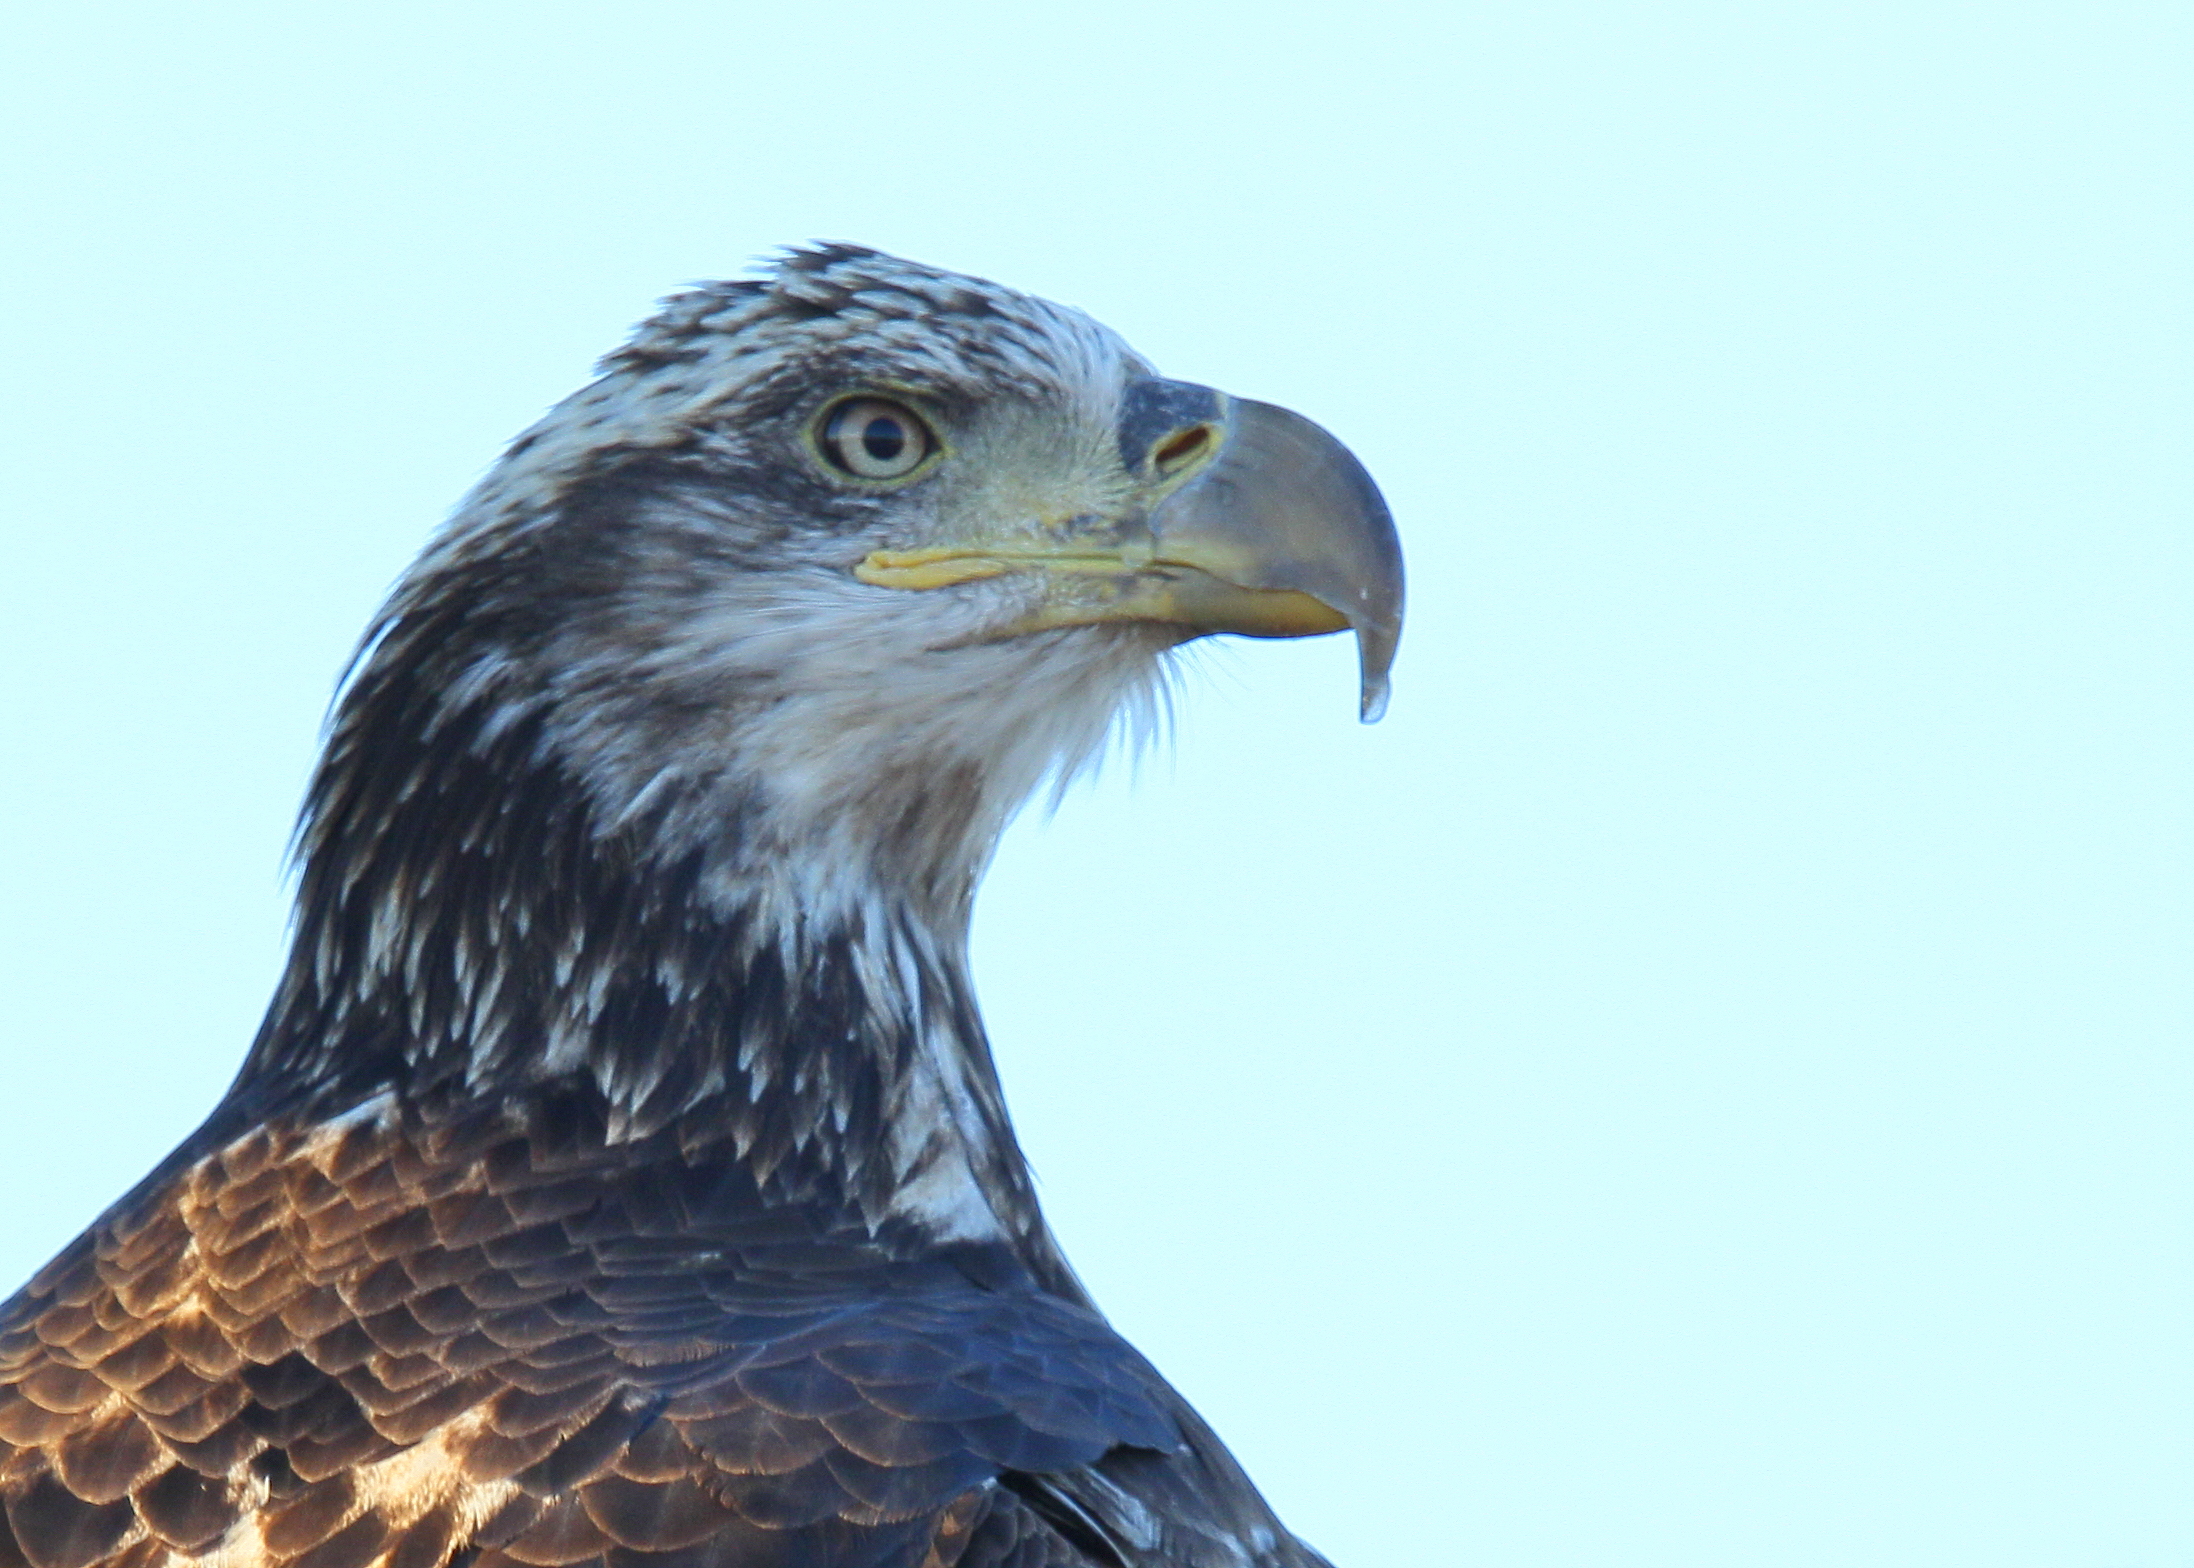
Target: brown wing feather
[(376, 1348)]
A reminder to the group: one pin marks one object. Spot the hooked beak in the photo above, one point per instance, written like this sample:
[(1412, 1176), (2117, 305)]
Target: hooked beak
[(1253, 521)]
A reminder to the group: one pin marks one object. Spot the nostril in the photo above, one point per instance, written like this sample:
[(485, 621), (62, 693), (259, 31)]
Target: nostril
[(1180, 449)]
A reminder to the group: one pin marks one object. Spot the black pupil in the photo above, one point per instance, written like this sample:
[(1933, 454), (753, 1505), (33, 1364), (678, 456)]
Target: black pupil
[(883, 438)]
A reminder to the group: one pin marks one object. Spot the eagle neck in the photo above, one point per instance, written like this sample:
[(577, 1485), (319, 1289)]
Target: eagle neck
[(470, 936)]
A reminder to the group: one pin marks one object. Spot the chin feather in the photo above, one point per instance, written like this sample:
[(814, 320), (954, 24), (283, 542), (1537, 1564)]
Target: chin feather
[(1142, 724)]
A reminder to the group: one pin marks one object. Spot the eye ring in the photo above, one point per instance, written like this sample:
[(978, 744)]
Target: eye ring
[(877, 439)]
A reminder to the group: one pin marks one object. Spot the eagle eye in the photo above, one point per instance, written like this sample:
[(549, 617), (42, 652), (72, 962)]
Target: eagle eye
[(875, 438)]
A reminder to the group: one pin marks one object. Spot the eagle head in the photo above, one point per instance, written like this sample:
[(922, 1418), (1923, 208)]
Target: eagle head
[(746, 652), (855, 553)]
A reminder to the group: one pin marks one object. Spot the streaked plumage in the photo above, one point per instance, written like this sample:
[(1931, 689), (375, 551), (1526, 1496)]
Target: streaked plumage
[(620, 1176)]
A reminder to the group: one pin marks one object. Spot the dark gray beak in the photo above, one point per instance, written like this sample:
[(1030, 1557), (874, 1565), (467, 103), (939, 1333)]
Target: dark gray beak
[(1282, 508)]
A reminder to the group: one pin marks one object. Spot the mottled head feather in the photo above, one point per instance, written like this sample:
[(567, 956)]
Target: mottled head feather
[(828, 310)]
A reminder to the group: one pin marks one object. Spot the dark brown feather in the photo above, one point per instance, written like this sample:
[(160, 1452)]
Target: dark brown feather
[(57, 1529), (185, 1509), (103, 1462), (354, 1546), (310, 1517), (430, 1541)]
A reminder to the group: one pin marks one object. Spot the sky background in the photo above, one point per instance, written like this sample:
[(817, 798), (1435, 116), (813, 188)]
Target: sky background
[(1706, 1082)]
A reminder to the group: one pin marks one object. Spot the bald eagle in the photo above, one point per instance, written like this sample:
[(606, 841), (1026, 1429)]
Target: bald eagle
[(620, 1177)]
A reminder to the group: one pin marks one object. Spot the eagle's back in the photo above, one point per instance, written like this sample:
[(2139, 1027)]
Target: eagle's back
[(505, 1340)]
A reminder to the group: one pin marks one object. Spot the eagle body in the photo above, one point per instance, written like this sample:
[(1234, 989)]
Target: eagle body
[(620, 1177)]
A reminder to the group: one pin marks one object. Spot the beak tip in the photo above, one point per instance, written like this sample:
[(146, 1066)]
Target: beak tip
[(1375, 658)]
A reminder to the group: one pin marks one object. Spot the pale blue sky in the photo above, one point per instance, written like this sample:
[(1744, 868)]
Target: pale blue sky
[(1706, 1083)]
